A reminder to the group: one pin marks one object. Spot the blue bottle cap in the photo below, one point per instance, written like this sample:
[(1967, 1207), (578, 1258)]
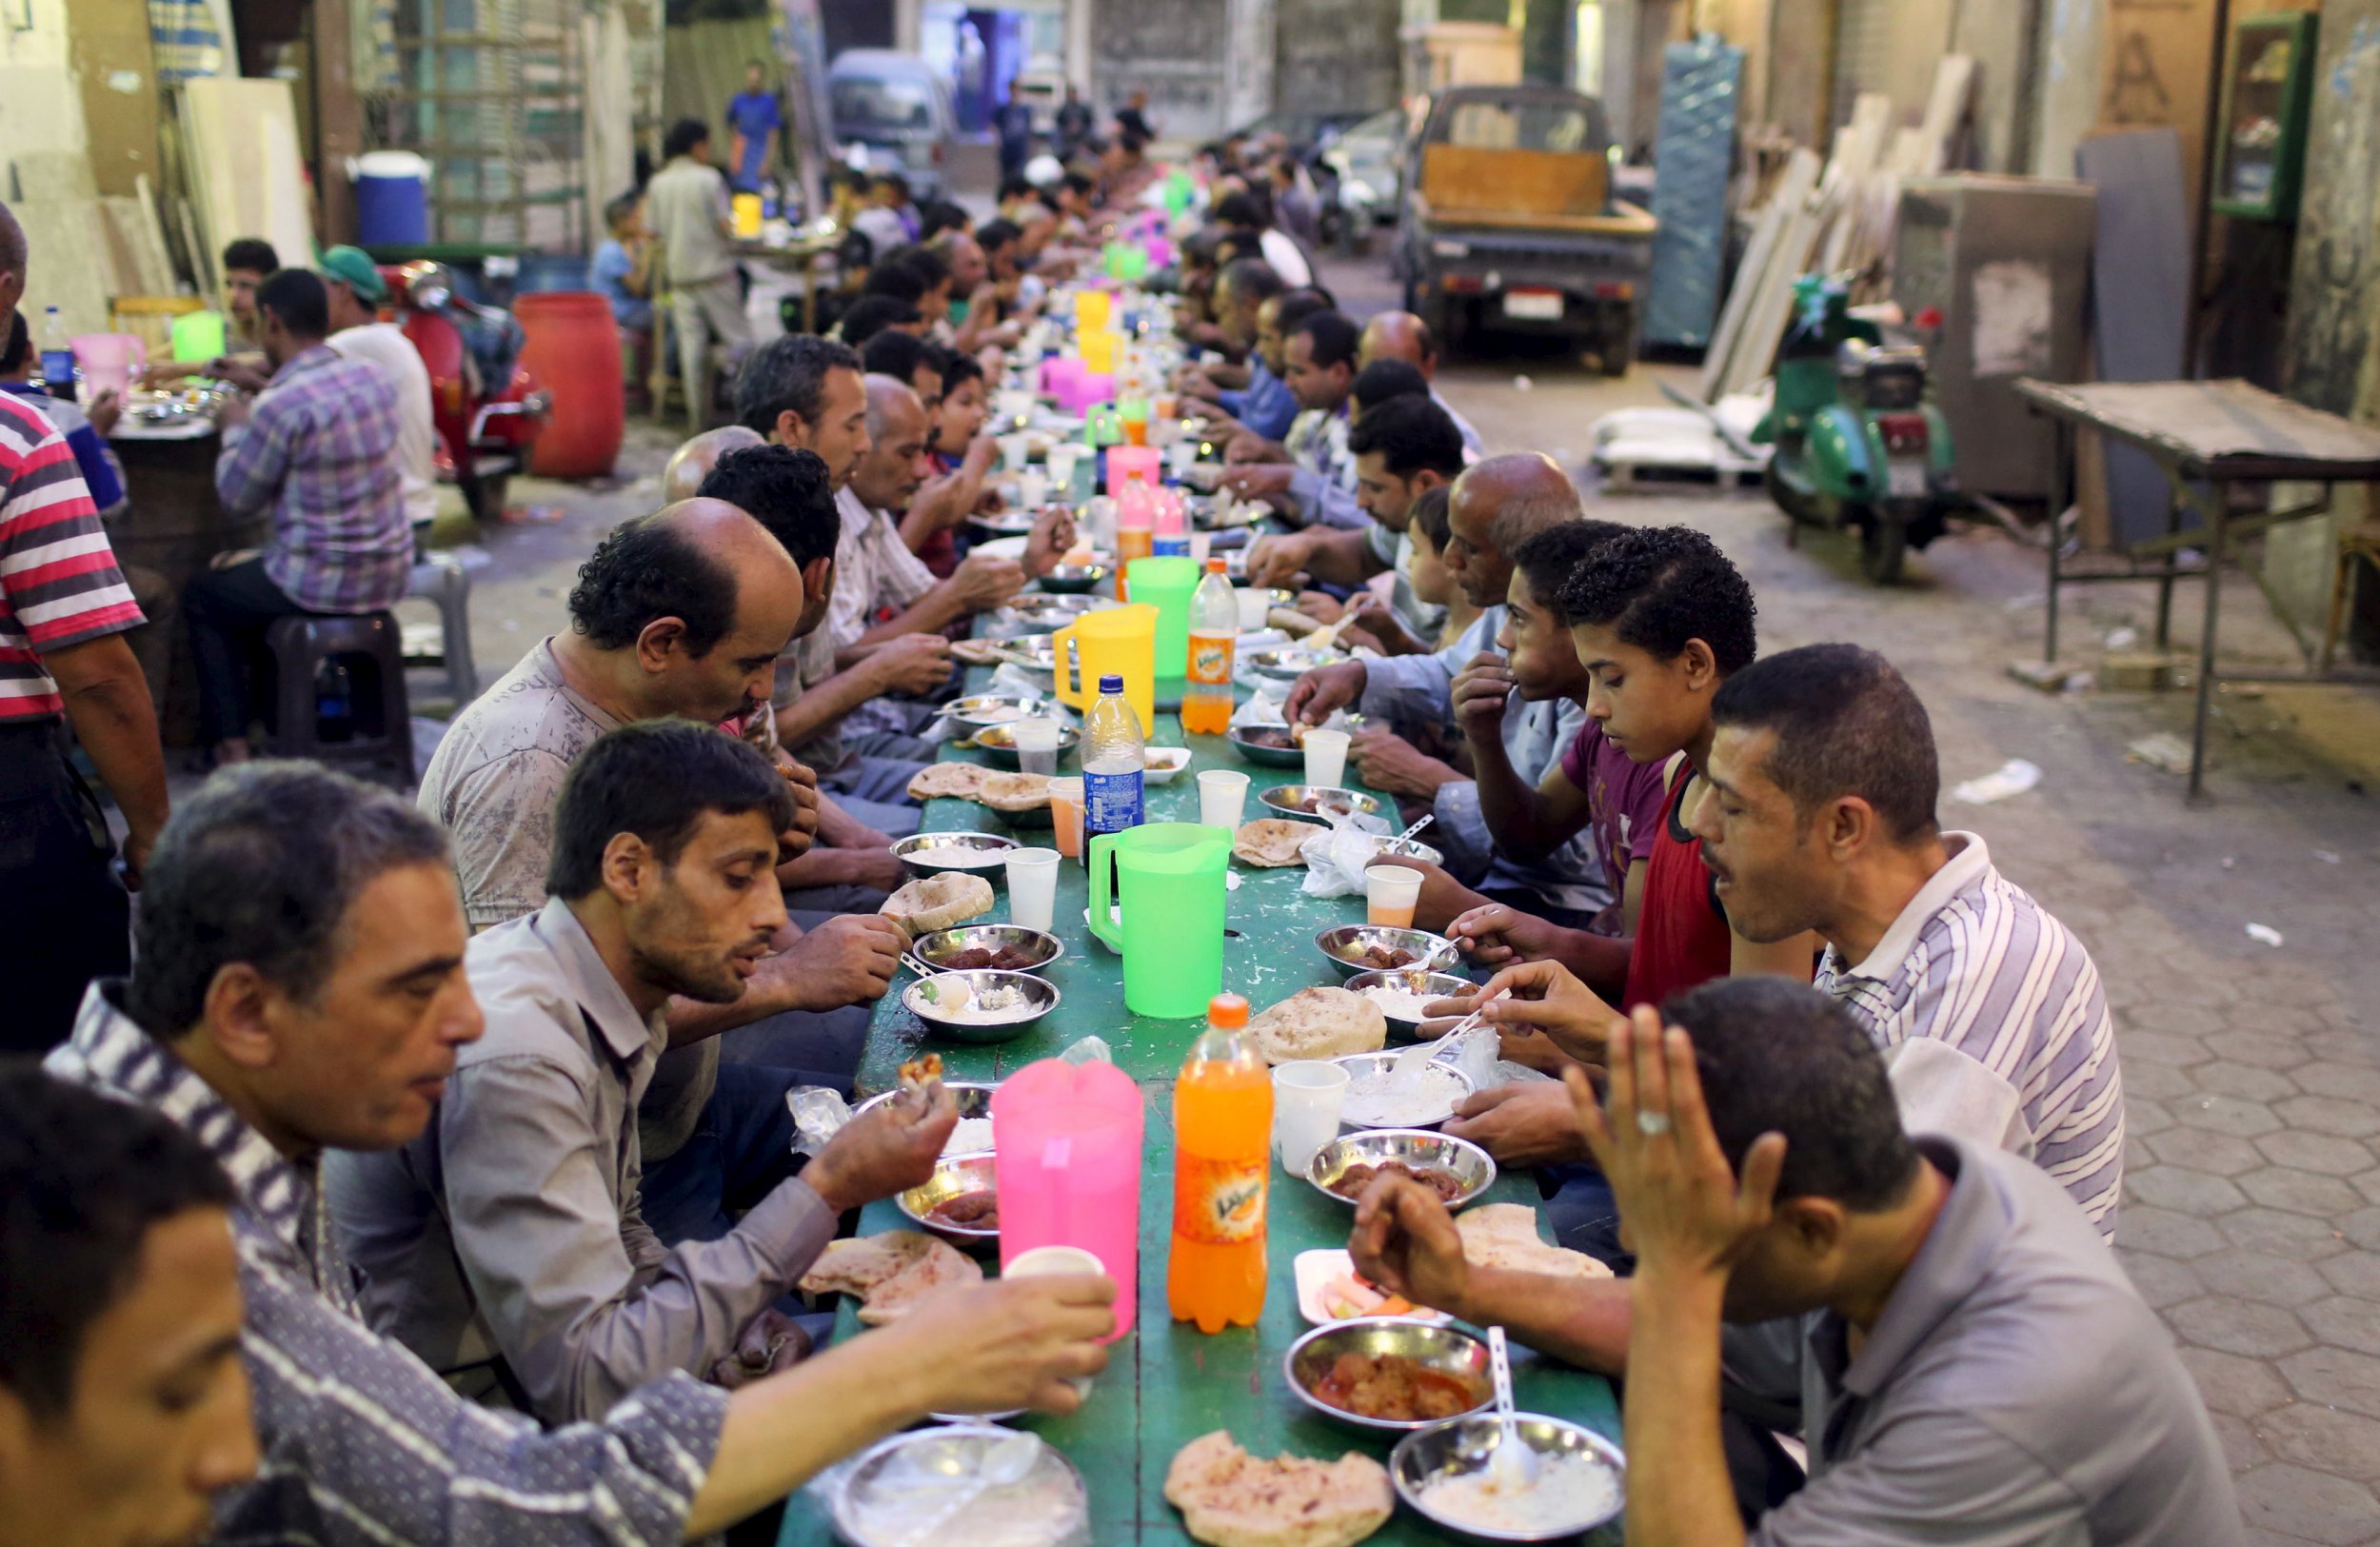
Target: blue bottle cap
[(1112, 682)]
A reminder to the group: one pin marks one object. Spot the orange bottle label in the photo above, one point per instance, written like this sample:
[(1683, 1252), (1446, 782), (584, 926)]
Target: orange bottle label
[(1210, 659), (1219, 1202)]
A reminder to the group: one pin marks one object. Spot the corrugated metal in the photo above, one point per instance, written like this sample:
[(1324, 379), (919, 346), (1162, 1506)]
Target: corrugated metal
[(1694, 149)]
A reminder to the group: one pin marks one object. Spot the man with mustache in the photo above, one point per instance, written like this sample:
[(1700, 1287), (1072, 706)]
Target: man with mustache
[(505, 1245)]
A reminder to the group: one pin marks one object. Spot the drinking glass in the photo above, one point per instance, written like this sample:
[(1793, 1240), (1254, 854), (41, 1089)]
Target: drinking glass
[(1326, 757), (1065, 810), (1256, 605), (1015, 451), (1307, 1098), (1037, 745), (1032, 887), (1222, 792), (1032, 489), (1390, 893)]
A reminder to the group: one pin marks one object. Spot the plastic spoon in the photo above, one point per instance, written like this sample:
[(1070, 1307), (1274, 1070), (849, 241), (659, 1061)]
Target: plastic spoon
[(1511, 1466), (1409, 1063)]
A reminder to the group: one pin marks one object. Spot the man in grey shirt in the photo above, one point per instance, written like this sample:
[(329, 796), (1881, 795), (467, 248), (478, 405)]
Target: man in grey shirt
[(505, 1245), (1976, 1367)]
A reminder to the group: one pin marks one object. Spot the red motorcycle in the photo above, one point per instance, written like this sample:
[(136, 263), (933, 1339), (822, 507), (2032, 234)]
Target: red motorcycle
[(483, 437)]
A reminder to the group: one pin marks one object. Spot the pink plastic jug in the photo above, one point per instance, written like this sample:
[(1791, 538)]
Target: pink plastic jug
[(1126, 461), (1066, 1153), (109, 361)]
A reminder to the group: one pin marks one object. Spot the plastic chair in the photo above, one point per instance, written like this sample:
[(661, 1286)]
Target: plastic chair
[(441, 578), (372, 648)]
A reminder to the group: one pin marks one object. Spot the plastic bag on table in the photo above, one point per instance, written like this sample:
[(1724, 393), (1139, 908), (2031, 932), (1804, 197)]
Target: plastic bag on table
[(1089, 1050), (1475, 1053), (819, 1115), (1337, 855), (1262, 709)]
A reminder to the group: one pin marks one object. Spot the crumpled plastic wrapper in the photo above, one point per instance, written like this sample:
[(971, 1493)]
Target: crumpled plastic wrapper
[(1089, 1050), (1338, 855), (1262, 708), (819, 1115), (1477, 1053)]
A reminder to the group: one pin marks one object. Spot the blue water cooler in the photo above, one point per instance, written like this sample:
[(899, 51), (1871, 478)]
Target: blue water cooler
[(392, 199)]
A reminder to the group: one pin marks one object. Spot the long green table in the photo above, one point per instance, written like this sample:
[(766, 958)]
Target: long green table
[(1167, 1384)]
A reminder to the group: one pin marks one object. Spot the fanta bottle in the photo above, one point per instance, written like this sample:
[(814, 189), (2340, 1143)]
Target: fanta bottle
[(1214, 632), (1222, 1143)]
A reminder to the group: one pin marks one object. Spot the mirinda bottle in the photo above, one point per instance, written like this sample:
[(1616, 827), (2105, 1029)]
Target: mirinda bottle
[(1214, 636), (1223, 1150)]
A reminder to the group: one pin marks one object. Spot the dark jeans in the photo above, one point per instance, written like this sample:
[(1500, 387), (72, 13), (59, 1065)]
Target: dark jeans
[(64, 917), (228, 611), (741, 1148)]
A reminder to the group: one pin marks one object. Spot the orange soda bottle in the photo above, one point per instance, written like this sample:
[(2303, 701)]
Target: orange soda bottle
[(1213, 633), (1223, 1159)]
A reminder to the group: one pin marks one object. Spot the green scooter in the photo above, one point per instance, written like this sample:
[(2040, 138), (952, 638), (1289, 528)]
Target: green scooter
[(1857, 445)]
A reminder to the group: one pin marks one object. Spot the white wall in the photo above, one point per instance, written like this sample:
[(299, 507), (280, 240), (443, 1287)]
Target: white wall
[(40, 107)]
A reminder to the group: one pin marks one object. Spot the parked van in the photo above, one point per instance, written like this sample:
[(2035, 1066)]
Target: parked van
[(895, 105)]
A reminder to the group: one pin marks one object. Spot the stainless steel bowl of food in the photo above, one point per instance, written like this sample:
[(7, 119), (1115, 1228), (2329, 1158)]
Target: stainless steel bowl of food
[(972, 1098), (1390, 1373), (1457, 1170), (972, 854), (983, 1005), (1426, 1100), (1073, 579), (1407, 848), (958, 1202), (1292, 661), (1371, 948), (1319, 802), (1400, 992), (1442, 1473), (1026, 652), (1004, 523), (1044, 613), (977, 710), (1270, 746), (1001, 947), (999, 743), (910, 1487)]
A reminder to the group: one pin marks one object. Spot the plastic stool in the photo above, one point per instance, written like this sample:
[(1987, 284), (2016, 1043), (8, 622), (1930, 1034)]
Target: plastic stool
[(442, 579), (371, 646)]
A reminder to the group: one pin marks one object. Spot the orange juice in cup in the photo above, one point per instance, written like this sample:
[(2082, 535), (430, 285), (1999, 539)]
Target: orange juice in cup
[(1390, 894), (1065, 810)]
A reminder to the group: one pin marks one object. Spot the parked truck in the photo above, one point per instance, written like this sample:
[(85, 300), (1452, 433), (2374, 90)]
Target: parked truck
[(1509, 222)]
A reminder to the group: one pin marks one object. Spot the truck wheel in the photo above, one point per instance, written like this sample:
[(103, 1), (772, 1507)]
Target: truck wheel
[(1883, 543), (1618, 346)]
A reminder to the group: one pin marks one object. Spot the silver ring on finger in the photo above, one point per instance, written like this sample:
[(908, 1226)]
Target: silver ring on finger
[(1653, 1125)]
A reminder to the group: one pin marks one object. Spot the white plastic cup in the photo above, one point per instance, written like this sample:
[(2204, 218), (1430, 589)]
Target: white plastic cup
[(1056, 1262), (1180, 455), (1061, 459), (1032, 488), (1201, 544), (1066, 806), (1307, 1096), (1032, 887), (1223, 794), (1256, 605), (1014, 407), (1015, 451), (1390, 894), (1037, 745), (1326, 757)]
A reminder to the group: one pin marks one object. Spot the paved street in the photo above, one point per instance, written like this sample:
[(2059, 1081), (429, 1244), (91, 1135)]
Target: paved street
[(2252, 1216)]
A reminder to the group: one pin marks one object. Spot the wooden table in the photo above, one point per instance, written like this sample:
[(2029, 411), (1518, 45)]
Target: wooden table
[(2205, 436), (798, 258), (1167, 1384)]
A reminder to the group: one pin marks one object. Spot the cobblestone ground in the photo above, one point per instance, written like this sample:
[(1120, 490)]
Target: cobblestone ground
[(2251, 1211)]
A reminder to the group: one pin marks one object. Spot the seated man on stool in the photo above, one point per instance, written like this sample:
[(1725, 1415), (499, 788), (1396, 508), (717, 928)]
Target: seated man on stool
[(317, 449)]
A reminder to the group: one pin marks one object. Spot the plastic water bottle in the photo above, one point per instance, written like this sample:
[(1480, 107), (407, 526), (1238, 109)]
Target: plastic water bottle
[(1223, 1144), (1213, 633), (57, 356), (334, 701), (1169, 524), (1114, 764)]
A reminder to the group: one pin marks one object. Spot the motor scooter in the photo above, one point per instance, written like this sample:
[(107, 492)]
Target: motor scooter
[(1857, 445), (483, 437)]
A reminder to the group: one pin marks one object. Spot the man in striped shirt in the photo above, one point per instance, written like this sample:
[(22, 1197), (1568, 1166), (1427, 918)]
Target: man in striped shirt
[(1986, 1009), (63, 611)]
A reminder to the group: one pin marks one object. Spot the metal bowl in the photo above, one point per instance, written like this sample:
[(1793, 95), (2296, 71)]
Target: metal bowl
[(1434, 986), (937, 949), (1448, 1350), (1408, 848), (955, 1176), (1292, 661), (1453, 1082), (1416, 1148), (1044, 613), (1041, 996), (1267, 757), (972, 1098), (1345, 945), (1073, 579), (1283, 799), (999, 743), (977, 710), (1026, 652), (1462, 1445), (1005, 523), (907, 850), (1050, 1504)]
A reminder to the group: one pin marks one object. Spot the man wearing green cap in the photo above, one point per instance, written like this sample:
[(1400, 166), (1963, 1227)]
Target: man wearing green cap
[(356, 291)]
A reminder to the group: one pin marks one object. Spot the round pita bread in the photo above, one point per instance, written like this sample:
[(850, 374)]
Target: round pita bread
[(938, 902), (1231, 1499), (1271, 840), (1505, 1235), (957, 780), (1014, 792), (1318, 1024)]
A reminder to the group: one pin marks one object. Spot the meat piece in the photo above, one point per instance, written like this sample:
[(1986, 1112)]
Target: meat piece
[(976, 1211), (969, 959)]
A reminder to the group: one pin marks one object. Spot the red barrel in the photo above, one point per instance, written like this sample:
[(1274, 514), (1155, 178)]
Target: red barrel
[(573, 350)]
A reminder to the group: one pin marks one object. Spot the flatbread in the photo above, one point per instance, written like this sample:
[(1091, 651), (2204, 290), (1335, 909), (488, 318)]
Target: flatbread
[(977, 653), (938, 902), (1505, 1235), (1318, 1024), (1231, 1499), (962, 780), (1014, 792), (890, 1272), (1271, 840)]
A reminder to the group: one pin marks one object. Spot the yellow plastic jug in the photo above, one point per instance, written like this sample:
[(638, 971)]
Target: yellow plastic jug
[(1118, 640), (1090, 311)]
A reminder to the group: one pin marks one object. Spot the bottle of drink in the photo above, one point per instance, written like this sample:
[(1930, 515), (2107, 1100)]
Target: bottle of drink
[(334, 701), (1223, 1153), (1214, 631), (57, 356), (1114, 763), (1169, 524), (1136, 514)]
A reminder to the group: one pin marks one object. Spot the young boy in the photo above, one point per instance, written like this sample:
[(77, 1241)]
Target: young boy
[(85, 433), (1433, 582), (623, 270)]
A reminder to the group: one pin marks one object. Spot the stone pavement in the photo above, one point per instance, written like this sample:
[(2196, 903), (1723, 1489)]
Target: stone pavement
[(2251, 1214)]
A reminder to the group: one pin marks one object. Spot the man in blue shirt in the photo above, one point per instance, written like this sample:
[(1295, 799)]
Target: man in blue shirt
[(1246, 294), (754, 116)]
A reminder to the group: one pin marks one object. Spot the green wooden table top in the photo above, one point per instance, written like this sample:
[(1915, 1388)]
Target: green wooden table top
[(1166, 1382)]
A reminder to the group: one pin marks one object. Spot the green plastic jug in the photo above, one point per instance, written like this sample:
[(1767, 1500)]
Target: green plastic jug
[(1169, 877), (1167, 585), (198, 335)]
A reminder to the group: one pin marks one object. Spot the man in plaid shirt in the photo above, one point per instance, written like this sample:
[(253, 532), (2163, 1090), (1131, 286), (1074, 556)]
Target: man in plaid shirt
[(319, 450)]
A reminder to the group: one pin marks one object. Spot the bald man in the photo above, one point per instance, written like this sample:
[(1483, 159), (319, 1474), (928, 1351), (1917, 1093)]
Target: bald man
[(1400, 335), (692, 462), (1493, 509)]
